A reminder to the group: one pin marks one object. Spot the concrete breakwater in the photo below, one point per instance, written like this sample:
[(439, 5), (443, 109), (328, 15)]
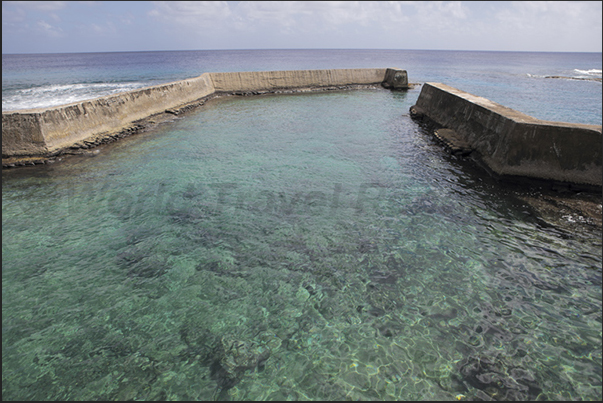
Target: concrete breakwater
[(510, 143), (31, 136)]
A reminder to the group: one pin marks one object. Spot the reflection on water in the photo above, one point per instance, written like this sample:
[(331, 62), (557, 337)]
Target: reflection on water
[(294, 247)]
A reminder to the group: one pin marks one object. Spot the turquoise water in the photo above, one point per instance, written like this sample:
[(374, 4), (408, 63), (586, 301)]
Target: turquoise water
[(316, 246)]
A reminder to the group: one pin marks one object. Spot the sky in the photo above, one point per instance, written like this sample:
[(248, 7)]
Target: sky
[(115, 26)]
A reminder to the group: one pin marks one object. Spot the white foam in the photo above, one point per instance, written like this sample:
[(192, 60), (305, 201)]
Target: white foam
[(61, 94), (591, 72)]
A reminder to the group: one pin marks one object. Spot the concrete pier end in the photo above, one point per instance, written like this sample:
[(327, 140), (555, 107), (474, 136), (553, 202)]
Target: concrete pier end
[(513, 144), (395, 79)]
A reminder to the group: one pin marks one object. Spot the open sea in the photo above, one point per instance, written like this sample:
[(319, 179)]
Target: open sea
[(514, 79), (319, 246)]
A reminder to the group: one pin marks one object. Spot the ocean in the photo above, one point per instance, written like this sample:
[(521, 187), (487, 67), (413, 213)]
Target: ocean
[(518, 80), (314, 246)]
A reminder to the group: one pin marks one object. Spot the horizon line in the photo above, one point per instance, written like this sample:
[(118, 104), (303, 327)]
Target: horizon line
[(292, 49)]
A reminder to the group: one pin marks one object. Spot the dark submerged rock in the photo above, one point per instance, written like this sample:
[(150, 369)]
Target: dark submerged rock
[(495, 378), (416, 112), (231, 358)]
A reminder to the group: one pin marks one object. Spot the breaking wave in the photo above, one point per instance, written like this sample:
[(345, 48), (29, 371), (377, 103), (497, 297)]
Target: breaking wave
[(591, 72), (575, 74), (60, 94)]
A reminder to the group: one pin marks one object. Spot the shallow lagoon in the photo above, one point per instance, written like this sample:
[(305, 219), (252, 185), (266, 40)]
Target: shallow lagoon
[(316, 246)]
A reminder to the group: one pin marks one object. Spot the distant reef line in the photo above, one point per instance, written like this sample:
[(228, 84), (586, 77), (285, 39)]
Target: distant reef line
[(598, 79)]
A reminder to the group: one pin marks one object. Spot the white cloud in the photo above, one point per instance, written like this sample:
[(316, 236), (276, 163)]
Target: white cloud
[(191, 12), (438, 22), (15, 15), (50, 30), (480, 25), (39, 5), (395, 24), (12, 15), (551, 25), (330, 12), (290, 18), (106, 29)]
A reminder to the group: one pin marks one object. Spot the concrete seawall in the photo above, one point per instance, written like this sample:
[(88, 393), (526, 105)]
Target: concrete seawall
[(40, 132), (513, 144), (274, 80), (34, 134)]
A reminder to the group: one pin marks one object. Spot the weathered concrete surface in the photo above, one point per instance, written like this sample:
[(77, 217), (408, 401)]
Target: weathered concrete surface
[(453, 142), (272, 80), (514, 144), (396, 79), (24, 135), (34, 134)]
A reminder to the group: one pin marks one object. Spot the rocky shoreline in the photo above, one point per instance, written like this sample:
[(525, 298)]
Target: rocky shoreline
[(567, 211), (567, 207)]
